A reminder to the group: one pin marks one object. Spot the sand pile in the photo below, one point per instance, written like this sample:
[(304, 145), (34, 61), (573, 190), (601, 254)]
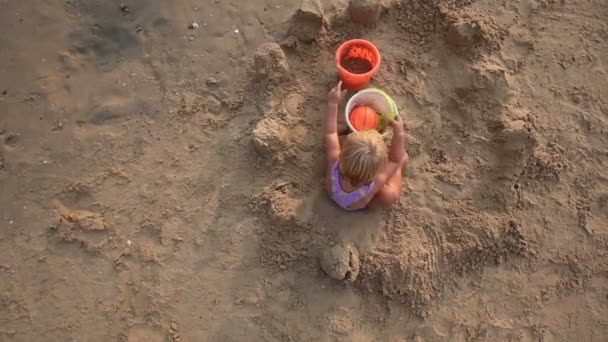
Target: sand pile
[(270, 66), (341, 262), (411, 263)]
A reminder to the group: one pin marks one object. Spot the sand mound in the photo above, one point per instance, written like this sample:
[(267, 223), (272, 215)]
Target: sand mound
[(514, 146), (287, 238), (279, 203), (270, 66), (307, 22), (469, 30), (463, 33), (341, 262), (271, 138), (413, 268), (464, 28), (365, 12), (83, 219), (81, 226), (277, 134)]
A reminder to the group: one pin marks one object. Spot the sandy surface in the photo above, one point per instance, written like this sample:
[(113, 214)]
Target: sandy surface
[(161, 183)]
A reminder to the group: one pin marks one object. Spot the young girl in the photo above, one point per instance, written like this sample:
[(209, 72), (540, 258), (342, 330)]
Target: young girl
[(361, 172)]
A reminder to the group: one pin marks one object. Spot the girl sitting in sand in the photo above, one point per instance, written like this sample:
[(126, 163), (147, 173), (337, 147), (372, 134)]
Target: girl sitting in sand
[(361, 172)]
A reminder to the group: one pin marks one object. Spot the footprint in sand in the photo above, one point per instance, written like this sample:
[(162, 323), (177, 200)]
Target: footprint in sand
[(11, 140)]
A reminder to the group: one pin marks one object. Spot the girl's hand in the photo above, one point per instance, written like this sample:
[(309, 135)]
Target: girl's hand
[(336, 95), (397, 124)]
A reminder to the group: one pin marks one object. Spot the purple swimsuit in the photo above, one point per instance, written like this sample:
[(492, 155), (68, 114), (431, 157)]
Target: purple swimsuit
[(346, 199)]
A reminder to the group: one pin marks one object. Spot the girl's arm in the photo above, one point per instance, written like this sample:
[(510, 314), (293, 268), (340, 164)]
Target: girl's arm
[(330, 129), (330, 133), (395, 157), (397, 149)]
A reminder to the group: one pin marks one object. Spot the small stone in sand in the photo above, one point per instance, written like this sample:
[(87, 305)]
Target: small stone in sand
[(124, 8), (212, 81), (193, 26), (58, 126)]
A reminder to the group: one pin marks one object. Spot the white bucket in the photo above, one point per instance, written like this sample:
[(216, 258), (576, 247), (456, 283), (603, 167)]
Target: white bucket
[(380, 102)]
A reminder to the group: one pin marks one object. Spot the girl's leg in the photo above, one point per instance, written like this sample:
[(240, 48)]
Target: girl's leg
[(391, 192)]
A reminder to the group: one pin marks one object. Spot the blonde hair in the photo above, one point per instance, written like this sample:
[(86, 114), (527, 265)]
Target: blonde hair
[(363, 156)]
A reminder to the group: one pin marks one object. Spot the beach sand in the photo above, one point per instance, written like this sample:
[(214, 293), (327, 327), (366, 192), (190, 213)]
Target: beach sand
[(161, 182)]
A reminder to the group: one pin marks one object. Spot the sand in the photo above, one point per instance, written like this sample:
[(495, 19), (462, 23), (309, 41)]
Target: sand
[(341, 262), (162, 182)]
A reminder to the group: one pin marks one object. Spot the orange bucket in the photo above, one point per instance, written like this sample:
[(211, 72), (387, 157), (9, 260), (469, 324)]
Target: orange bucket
[(357, 61)]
